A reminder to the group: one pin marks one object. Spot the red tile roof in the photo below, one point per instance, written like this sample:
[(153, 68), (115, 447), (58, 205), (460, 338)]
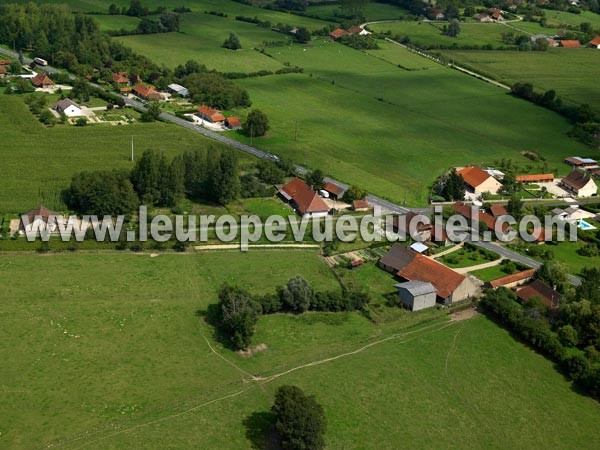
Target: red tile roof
[(307, 201), (570, 44), (595, 41), (5, 62), (535, 177), (214, 114), (146, 92), (42, 212), (338, 32), (422, 268), (233, 122), (2, 70), (41, 79), (514, 278), (120, 77), (360, 204), (473, 176), (540, 290), (354, 29), (498, 210), (577, 179), (465, 211), (334, 189)]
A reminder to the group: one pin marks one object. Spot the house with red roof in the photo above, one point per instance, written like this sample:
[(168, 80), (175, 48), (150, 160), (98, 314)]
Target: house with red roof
[(210, 115), (535, 178), (338, 33), (306, 201), (538, 289), (41, 80), (233, 123), (567, 43), (513, 280), (474, 215), (483, 17), (479, 181), (579, 183), (595, 43), (120, 78), (360, 205), (146, 92), (335, 191)]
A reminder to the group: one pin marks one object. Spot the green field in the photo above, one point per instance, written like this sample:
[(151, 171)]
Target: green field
[(116, 23), (38, 162), (201, 39), (572, 73), (557, 18), (372, 11), (103, 368)]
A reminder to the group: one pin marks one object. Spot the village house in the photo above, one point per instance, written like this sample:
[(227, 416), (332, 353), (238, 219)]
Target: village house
[(479, 181), (334, 191), (450, 286), (41, 80), (120, 78), (579, 183), (549, 39), (513, 280), (498, 211), (146, 92), (306, 201), (338, 33), (535, 178), (577, 161), (416, 295), (483, 17), (210, 115), (595, 43), (482, 217), (40, 218), (436, 14), (233, 123), (68, 107), (413, 225), (178, 89), (566, 43), (538, 289), (355, 29), (360, 205)]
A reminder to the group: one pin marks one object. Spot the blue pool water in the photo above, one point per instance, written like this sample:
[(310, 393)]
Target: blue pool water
[(585, 226)]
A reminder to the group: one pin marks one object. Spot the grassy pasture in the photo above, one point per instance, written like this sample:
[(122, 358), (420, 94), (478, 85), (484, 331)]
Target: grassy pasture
[(92, 366), (557, 18), (115, 23), (572, 73), (38, 162)]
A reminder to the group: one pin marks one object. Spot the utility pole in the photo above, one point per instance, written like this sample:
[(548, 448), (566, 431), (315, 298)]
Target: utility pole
[(132, 158)]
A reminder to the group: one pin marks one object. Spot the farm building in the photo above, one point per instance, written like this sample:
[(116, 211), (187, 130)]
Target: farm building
[(535, 178), (210, 115), (577, 161), (538, 289), (41, 80), (510, 281), (579, 183), (595, 43), (498, 211), (416, 295), (355, 29), (306, 201), (146, 92), (436, 14), (120, 77), (479, 180), (416, 226), (335, 191), (338, 33), (483, 17), (68, 107), (233, 123), (409, 265), (566, 43), (467, 212), (39, 218), (360, 205), (178, 90)]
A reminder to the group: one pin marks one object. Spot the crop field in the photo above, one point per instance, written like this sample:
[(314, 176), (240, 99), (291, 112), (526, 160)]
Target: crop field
[(368, 122), (572, 73), (428, 33), (90, 366), (201, 39), (38, 162)]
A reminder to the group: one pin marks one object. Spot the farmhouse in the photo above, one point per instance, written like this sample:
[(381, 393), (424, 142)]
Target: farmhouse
[(68, 107), (416, 295), (335, 191), (120, 77), (566, 43), (479, 180), (39, 218), (510, 281), (178, 90), (338, 33), (409, 265), (306, 201), (436, 14), (540, 290), (41, 80), (483, 17), (595, 43), (146, 92), (535, 178), (577, 161), (360, 205), (355, 29), (233, 123), (467, 212), (497, 16), (579, 183), (413, 225), (210, 115)]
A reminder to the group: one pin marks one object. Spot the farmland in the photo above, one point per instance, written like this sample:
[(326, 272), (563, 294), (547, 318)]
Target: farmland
[(93, 366), (573, 74)]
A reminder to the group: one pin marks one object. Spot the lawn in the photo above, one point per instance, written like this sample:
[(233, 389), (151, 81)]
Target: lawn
[(265, 207), (38, 162), (573, 74), (426, 34), (468, 256), (92, 366), (494, 272), (566, 253)]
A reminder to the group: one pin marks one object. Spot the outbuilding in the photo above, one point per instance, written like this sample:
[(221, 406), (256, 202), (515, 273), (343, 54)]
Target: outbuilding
[(416, 295), (178, 90), (68, 107)]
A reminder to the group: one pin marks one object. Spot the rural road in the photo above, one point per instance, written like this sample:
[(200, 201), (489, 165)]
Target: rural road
[(374, 200)]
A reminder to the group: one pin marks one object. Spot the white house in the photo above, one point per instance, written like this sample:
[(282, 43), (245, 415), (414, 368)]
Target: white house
[(479, 180), (580, 183), (178, 89), (68, 107)]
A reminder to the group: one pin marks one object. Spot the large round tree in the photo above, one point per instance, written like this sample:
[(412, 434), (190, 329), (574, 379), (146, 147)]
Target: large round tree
[(257, 123)]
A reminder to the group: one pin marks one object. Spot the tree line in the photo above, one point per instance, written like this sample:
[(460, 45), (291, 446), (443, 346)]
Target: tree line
[(238, 311)]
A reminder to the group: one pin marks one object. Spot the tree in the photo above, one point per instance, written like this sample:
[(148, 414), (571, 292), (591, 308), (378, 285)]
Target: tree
[(353, 8), (515, 207), (292, 5), (553, 273), (113, 9), (316, 179), (147, 177), (152, 113), (170, 21), (452, 12), (453, 28), (232, 42), (269, 172), (81, 122), (302, 35), (238, 315), (101, 192), (227, 182), (354, 193), (297, 295), (47, 118), (568, 335), (300, 420), (15, 68), (257, 123)]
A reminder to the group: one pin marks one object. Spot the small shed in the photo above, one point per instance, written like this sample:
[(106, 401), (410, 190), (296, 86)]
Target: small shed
[(419, 247), (416, 295), (178, 89)]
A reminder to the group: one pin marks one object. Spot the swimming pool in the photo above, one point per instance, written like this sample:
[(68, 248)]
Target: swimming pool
[(585, 226)]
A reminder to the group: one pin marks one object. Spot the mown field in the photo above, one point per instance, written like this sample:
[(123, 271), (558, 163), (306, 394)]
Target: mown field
[(572, 73), (88, 365), (38, 162)]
